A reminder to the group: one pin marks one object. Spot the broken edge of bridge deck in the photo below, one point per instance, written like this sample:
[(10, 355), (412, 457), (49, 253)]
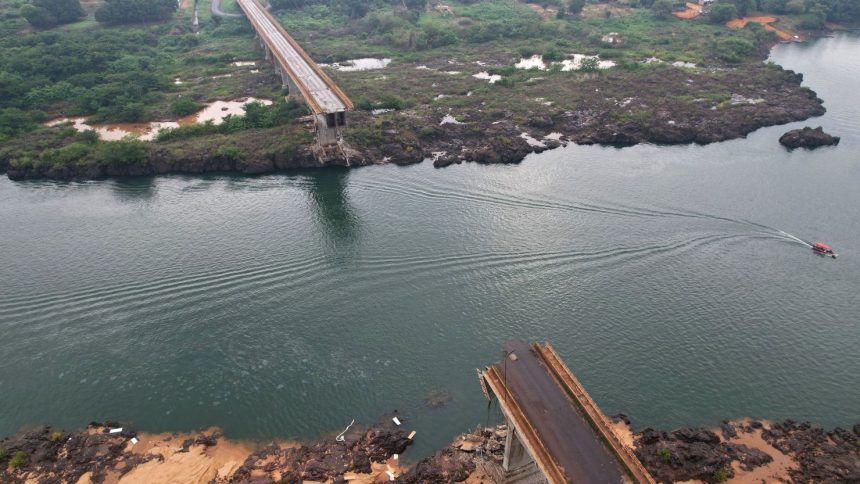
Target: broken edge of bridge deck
[(576, 394)]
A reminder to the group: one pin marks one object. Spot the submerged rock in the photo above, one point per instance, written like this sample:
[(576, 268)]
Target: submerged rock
[(808, 138)]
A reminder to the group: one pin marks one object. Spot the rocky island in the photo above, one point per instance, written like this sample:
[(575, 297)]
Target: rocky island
[(808, 138)]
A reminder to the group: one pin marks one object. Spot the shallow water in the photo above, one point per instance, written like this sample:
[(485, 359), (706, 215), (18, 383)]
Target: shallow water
[(216, 112), (286, 305)]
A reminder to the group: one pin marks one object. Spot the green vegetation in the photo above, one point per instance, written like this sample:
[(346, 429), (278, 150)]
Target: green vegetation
[(18, 460), (663, 455), (135, 11), (184, 106), (257, 116), (814, 12), (720, 476), (48, 13), (55, 436)]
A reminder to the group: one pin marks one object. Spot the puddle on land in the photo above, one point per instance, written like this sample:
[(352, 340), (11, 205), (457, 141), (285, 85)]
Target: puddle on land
[(353, 65), (118, 131), (215, 112)]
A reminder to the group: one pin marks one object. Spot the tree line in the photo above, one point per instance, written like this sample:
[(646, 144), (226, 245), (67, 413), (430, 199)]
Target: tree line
[(50, 13)]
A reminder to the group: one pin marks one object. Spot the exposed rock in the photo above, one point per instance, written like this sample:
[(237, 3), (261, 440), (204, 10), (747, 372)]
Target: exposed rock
[(823, 456), (808, 138), (327, 459), (65, 457), (728, 430)]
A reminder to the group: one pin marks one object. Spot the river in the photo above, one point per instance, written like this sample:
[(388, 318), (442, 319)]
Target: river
[(285, 306)]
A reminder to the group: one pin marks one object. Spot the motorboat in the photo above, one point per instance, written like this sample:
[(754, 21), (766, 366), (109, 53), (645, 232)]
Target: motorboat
[(823, 249)]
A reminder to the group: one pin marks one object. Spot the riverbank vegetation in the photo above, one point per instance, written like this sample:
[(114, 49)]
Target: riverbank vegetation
[(163, 69)]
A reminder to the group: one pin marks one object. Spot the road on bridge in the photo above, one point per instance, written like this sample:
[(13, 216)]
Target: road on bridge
[(320, 92)]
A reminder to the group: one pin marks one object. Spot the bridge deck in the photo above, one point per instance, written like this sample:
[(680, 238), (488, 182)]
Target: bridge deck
[(564, 431), (320, 92)]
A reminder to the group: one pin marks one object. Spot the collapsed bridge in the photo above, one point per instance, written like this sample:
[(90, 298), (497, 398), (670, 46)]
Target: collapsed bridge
[(556, 433), (304, 78)]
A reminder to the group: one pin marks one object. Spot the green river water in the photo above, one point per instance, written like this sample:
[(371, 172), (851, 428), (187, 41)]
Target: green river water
[(284, 306)]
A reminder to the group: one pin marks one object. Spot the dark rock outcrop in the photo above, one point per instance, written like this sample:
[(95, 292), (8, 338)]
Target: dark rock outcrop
[(822, 456), (65, 456), (327, 458), (807, 138)]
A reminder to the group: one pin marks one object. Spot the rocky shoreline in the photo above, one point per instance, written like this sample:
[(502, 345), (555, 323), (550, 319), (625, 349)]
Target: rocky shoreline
[(748, 450), (651, 107)]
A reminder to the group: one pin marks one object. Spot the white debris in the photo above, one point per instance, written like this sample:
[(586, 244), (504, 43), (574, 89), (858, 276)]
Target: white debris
[(531, 141), (688, 65), (380, 111), (737, 99), (115, 431), (533, 62), (134, 441), (491, 78), (448, 119), (395, 420), (364, 64)]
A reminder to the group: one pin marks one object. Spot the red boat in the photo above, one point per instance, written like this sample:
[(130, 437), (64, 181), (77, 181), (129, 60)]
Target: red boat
[(824, 250)]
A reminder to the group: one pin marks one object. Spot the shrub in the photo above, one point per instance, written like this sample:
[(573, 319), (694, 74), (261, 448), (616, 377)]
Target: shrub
[(55, 436), (67, 154), (723, 12), (734, 50), (18, 460), (720, 476), (123, 152), (184, 106), (589, 64), (38, 16), (663, 8), (135, 11), (663, 455)]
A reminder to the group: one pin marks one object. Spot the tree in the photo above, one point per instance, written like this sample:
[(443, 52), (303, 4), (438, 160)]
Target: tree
[(663, 8), (37, 16), (135, 11), (723, 12), (745, 6), (575, 6), (65, 11)]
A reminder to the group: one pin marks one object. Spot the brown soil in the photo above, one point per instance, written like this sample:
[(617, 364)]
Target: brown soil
[(692, 11), (764, 20)]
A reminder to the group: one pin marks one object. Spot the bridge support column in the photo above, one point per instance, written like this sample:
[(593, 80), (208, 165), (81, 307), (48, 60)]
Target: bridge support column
[(326, 135)]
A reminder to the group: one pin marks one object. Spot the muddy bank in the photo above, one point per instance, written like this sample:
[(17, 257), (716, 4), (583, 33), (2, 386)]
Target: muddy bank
[(741, 451), (666, 105)]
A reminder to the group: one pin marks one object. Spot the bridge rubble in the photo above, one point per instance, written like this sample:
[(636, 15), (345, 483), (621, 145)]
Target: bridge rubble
[(556, 432)]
